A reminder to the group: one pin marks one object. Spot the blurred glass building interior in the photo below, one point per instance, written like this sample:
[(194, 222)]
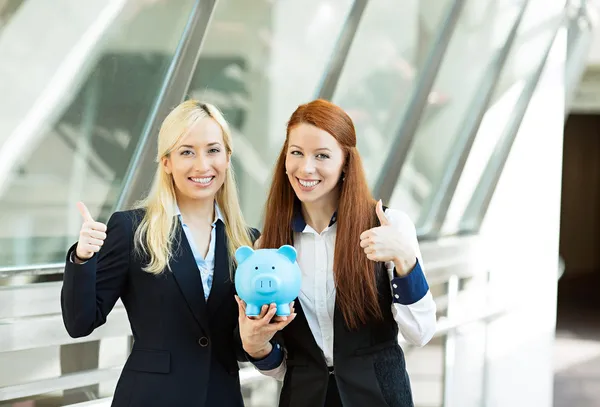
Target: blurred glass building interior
[(460, 109)]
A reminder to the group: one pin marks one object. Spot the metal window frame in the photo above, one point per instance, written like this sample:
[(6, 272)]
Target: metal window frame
[(579, 39), (390, 172), (490, 177), (340, 53), (433, 217), (142, 166)]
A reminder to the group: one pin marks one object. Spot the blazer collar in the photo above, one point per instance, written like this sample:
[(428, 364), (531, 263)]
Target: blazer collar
[(222, 284), (218, 214), (186, 274)]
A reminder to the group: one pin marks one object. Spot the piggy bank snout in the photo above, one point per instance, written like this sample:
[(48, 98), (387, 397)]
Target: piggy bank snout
[(266, 283)]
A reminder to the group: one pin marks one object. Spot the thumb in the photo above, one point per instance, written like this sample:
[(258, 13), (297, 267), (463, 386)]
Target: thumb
[(380, 214), (85, 213)]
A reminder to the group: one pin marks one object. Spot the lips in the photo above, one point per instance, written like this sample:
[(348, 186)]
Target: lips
[(202, 181), (308, 184)]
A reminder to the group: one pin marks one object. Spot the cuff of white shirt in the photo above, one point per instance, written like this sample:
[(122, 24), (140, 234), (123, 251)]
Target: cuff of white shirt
[(410, 288), (72, 259), (271, 361)]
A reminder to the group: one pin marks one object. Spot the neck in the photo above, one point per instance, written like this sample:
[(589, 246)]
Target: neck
[(318, 214), (194, 210)]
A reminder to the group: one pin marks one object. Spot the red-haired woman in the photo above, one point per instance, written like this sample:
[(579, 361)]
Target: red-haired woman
[(362, 277)]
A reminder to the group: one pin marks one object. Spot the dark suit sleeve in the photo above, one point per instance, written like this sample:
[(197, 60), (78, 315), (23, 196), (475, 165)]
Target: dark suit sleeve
[(90, 290)]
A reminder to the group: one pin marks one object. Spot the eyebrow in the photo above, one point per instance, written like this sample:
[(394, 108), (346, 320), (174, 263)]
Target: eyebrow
[(318, 149), (215, 143)]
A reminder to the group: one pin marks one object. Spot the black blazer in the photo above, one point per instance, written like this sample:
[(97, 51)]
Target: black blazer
[(185, 351)]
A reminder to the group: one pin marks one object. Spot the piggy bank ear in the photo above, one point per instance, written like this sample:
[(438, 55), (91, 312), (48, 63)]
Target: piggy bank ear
[(288, 251), (242, 253)]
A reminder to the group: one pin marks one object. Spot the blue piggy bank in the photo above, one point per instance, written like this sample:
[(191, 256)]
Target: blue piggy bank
[(267, 276)]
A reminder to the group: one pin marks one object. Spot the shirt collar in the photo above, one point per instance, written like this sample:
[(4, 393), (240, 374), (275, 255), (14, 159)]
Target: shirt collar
[(299, 224), (218, 214)]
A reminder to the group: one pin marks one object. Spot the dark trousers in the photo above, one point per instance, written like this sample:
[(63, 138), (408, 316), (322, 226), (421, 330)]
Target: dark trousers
[(333, 396)]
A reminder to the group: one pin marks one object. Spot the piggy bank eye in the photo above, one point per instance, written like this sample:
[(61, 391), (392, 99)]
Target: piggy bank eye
[(256, 268), (273, 267)]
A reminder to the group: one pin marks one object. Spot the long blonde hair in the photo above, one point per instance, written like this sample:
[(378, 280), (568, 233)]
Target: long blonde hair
[(158, 229)]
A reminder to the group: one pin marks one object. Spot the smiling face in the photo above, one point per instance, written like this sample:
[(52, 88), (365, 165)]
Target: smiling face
[(199, 162), (314, 164)]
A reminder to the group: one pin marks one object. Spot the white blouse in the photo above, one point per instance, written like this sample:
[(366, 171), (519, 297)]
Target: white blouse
[(416, 321)]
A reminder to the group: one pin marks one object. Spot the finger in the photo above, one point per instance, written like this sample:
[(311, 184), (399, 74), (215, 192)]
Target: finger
[(280, 325), (263, 311), (93, 248), (380, 214), (96, 242), (370, 250), (85, 213), (266, 320), (99, 226), (96, 234), (365, 243), (241, 306), (365, 235), (373, 257)]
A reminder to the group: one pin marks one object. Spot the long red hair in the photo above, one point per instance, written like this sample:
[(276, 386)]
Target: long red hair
[(355, 278)]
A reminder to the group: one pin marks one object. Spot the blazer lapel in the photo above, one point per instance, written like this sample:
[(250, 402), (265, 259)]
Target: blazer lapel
[(221, 286), (186, 273)]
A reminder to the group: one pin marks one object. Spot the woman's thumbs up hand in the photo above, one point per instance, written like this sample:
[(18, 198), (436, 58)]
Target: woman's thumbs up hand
[(91, 236)]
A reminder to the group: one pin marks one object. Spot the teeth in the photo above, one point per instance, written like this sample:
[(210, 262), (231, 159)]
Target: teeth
[(202, 180), (308, 183)]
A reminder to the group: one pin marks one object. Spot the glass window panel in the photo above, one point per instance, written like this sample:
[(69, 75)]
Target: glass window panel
[(259, 61), (75, 101), (383, 64), (464, 217), (481, 31), (533, 37)]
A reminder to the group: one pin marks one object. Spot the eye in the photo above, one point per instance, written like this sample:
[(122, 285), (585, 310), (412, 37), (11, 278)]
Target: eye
[(273, 267), (322, 156), (214, 151), (256, 268), (186, 152), (296, 152)]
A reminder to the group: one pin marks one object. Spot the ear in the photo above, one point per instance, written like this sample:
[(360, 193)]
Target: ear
[(288, 251), (166, 163), (242, 253)]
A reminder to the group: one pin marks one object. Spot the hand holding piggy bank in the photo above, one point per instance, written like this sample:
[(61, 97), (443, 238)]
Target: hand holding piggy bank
[(267, 276)]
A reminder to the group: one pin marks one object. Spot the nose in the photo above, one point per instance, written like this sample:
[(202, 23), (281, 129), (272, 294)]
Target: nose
[(266, 284), (201, 164), (308, 166)]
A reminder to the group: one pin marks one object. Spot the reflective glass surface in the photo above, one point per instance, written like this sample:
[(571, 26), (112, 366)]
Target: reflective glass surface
[(74, 102)]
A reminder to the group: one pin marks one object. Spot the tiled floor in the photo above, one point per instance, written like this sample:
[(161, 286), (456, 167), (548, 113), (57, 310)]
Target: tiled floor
[(577, 349)]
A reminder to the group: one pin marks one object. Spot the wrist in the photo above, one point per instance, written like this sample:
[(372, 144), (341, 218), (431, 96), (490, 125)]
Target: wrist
[(403, 267), (78, 259), (261, 352)]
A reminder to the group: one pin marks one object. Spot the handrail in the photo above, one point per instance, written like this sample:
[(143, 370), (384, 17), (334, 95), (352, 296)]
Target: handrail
[(341, 51), (247, 375), (484, 191), (31, 269), (403, 139), (434, 217), (66, 381), (142, 166)]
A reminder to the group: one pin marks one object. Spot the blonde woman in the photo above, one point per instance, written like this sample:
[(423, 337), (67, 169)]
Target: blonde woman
[(169, 261)]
